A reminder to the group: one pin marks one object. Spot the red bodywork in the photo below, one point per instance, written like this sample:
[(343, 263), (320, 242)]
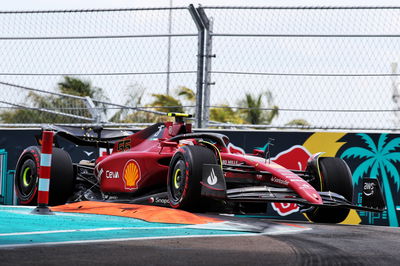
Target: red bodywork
[(142, 160)]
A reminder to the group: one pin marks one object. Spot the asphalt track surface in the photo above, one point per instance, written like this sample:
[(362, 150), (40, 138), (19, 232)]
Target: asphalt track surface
[(274, 244)]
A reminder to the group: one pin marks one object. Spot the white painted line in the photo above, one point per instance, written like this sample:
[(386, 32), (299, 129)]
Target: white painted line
[(281, 230), (122, 239), (90, 230), (143, 238), (16, 206), (223, 226)]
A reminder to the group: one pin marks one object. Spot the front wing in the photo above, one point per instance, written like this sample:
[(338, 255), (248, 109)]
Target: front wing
[(214, 185)]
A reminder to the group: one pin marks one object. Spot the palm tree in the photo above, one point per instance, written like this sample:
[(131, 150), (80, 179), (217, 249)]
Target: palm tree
[(166, 103), (225, 114), (379, 162), (134, 99), (298, 122), (69, 85), (253, 112)]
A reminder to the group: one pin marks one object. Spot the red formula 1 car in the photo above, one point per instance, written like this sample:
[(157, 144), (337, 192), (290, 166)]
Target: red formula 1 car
[(168, 164)]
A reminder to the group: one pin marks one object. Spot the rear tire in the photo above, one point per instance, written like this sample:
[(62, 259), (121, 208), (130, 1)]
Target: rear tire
[(184, 176), (27, 176), (335, 177)]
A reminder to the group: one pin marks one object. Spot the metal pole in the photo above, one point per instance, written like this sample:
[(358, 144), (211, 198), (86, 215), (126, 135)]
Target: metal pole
[(169, 45), (207, 68), (396, 94), (200, 65)]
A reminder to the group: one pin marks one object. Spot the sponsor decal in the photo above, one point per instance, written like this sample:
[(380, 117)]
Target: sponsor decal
[(279, 181), (158, 134), (212, 178), (305, 187), (131, 175), (111, 174), (294, 158), (235, 149), (369, 189), (88, 153), (230, 162), (284, 209), (164, 201)]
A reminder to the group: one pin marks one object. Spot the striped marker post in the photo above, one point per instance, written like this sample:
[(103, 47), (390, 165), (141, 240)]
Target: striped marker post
[(44, 173)]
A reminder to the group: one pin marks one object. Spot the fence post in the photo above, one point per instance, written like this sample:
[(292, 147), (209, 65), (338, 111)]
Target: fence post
[(200, 65), (44, 173), (208, 23)]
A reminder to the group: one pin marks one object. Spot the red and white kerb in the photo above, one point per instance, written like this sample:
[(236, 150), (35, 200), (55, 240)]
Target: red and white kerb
[(45, 167)]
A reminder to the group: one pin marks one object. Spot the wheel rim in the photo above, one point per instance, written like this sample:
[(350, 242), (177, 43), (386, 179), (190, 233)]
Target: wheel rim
[(26, 180), (26, 176), (178, 180)]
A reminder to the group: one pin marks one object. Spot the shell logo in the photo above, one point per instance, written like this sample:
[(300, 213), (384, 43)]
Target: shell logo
[(131, 175)]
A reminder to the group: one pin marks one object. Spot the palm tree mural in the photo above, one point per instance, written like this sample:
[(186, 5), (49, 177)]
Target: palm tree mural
[(379, 162)]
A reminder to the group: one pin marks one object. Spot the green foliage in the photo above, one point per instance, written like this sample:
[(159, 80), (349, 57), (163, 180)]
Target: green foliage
[(225, 114), (166, 103), (186, 93), (253, 112), (55, 104), (298, 122)]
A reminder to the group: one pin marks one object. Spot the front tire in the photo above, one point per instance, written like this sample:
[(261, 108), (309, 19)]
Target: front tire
[(335, 176), (185, 174)]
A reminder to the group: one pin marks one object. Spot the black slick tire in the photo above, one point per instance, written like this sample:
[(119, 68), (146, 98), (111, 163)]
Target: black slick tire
[(335, 176), (185, 174)]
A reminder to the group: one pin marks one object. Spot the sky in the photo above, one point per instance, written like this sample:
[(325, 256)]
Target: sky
[(99, 4)]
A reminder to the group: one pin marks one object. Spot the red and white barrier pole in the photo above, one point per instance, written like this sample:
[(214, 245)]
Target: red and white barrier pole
[(44, 173)]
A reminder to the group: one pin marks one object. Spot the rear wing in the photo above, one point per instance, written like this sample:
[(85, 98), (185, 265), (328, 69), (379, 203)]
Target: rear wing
[(87, 136)]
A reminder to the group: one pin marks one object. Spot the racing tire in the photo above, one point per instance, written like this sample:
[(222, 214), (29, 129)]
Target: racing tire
[(335, 177), (26, 179), (185, 175)]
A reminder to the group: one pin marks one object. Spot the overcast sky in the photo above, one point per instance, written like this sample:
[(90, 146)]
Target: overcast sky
[(94, 4)]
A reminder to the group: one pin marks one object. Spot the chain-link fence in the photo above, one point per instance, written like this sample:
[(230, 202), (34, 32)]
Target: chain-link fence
[(309, 67), (322, 67), (119, 57)]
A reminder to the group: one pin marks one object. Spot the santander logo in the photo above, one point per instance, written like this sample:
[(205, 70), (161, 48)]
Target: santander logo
[(294, 158)]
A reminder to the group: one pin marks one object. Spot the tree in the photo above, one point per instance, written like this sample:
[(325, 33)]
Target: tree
[(298, 122), (225, 114), (56, 104), (253, 112), (134, 99), (167, 103), (379, 162)]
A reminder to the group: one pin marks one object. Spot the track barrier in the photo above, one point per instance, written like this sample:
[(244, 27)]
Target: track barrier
[(44, 173)]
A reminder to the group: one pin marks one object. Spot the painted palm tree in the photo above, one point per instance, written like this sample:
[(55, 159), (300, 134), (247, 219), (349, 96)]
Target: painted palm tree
[(379, 162)]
